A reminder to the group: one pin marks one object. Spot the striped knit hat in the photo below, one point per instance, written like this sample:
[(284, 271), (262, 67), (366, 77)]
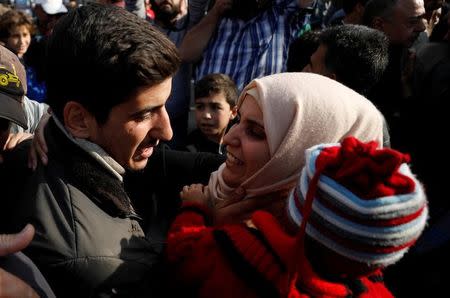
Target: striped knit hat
[(359, 201)]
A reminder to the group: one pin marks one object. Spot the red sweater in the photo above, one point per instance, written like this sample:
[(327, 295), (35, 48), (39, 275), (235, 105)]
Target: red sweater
[(238, 261)]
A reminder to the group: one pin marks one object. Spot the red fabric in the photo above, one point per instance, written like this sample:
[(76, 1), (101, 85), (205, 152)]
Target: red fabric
[(311, 284), (364, 170), (197, 260)]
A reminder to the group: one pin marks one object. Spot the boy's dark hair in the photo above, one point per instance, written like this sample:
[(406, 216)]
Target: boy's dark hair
[(358, 55), (11, 19), (215, 83), (301, 49), (101, 55)]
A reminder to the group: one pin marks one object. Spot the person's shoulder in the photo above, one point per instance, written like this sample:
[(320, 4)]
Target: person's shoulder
[(16, 160)]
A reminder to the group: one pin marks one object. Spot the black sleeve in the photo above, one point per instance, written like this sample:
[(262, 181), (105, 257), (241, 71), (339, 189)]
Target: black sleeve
[(155, 190)]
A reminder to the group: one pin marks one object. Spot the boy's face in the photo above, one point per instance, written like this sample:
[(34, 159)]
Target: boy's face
[(213, 113), (135, 126), (19, 40)]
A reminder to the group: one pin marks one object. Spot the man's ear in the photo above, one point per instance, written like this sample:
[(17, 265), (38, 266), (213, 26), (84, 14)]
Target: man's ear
[(78, 121), (233, 112)]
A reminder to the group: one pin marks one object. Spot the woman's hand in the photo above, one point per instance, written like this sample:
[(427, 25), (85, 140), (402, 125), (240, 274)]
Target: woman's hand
[(195, 193)]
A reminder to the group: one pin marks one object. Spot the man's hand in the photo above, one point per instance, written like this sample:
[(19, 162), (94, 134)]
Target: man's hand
[(11, 286), (11, 243), (220, 7)]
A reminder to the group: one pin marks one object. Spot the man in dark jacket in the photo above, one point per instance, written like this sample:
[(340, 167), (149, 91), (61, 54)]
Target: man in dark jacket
[(109, 76)]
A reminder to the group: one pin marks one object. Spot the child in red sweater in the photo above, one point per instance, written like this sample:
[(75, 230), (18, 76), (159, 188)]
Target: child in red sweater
[(356, 210)]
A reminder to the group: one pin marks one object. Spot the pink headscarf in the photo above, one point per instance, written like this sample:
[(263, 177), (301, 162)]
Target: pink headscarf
[(299, 110)]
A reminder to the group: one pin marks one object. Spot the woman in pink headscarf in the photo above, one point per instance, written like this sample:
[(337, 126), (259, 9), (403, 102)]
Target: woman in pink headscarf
[(279, 117), (356, 208)]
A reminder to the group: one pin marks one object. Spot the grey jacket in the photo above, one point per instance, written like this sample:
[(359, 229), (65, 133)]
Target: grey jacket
[(88, 241)]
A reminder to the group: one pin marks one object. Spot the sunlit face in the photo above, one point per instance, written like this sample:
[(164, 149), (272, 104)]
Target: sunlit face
[(136, 126), (212, 114), (406, 22), (19, 40), (317, 62), (169, 7), (247, 147)]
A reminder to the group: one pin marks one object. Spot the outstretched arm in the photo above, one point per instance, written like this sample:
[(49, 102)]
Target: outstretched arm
[(196, 39)]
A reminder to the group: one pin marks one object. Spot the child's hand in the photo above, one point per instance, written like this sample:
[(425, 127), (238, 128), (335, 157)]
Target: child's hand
[(195, 193)]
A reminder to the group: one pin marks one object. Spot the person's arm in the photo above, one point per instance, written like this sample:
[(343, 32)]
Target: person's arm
[(196, 39)]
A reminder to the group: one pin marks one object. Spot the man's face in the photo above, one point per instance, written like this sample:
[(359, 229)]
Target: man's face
[(406, 22), (167, 9), (4, 132), (317, 62), (135, 127), (42, 19)]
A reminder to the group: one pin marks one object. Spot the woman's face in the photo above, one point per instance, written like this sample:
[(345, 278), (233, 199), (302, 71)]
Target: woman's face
[(247, 147), (19, 40)]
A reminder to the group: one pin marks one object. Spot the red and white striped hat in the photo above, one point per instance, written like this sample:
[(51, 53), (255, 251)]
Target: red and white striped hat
[(359, 201)]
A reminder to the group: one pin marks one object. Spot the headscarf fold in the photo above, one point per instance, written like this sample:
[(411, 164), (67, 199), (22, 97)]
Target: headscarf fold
[(299, 110)]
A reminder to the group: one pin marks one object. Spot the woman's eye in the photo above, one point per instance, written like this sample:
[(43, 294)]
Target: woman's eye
[(256, 133)]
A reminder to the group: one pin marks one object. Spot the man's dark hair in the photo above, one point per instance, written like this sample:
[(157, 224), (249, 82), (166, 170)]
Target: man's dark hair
[(215, 83), (358, 55), (377, 8), (301, 49), (349, 5), (101, 55)]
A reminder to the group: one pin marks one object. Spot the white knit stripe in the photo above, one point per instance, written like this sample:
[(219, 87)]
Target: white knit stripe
[(381, 259), (383, 205), (417, 201), (329, 200), (347, 206), (319, 221), (406, 230), (373, 259)]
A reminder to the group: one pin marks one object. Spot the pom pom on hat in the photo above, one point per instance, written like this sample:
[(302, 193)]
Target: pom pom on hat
[(359, 201)]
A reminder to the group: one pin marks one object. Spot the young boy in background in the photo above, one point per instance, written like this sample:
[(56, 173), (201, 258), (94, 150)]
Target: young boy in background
[(215, 100)]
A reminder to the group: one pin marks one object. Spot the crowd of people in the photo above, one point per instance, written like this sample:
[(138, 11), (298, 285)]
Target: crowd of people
[(260, 148)]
